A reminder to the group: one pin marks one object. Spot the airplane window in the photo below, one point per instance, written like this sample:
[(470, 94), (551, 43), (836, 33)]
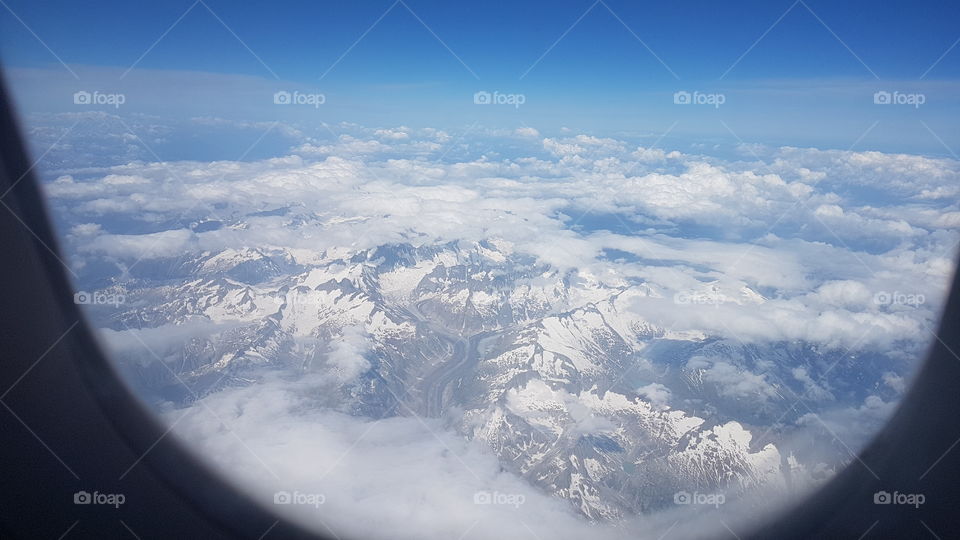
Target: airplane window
[(409, 269)]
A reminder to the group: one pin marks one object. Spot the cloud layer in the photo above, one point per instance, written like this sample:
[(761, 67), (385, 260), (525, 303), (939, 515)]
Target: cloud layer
[(825, 246), (838, 249)]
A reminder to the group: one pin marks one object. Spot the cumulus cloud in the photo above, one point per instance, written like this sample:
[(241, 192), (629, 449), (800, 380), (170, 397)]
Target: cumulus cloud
[(732, 381), (654, 154), (534, 401), (854, 424), (657, 394), (399, 134), (420, 480), (162, 343), (894, 381), (348, 356), (772, 250), (815, 259), (132, 246)]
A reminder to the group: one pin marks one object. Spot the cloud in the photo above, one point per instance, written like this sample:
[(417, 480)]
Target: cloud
[(894, 381), (853, 425), (844, 293), (347, 357), (132, 246), (399, 134), (732, 381), (419, 480), (653, 155), (533, 401), (162, 342), (816, 258), (657, 394), (399, 477), (772, 250)]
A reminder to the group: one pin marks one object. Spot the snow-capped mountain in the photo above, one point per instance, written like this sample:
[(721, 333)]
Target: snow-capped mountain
[(554, 371)]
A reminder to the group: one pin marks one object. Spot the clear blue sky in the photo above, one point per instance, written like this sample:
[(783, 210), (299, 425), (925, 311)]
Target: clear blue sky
[(812, 74)]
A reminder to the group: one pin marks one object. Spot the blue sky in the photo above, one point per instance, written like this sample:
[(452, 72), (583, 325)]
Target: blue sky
[(799, 73)]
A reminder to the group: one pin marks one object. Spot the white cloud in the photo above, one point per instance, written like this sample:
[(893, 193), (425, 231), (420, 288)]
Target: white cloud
[(419, 479), (132, 246), (844, 293), (657, 394), (786, 254), (853, 425), (894, 381), (652, 155), (393, 134), (347, 357), (527, 132), (818, 271), (731, 381), (398, 477)]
